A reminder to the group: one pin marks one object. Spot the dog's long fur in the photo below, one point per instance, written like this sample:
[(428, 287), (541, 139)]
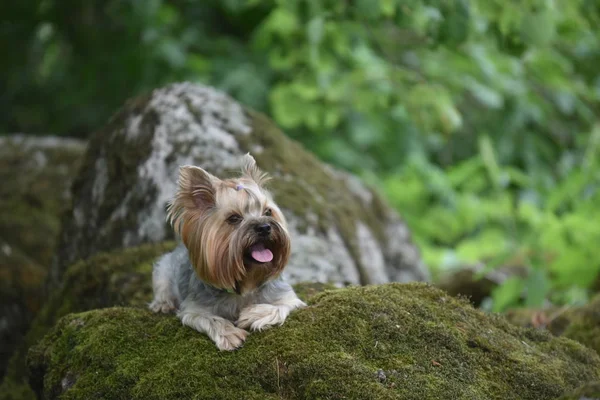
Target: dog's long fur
[(212, 279)]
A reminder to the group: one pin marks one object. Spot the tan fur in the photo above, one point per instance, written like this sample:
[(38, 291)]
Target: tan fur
[(217, 249)]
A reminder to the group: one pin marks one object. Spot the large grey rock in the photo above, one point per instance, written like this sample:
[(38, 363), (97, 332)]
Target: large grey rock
[(342, 231), (35, 177)]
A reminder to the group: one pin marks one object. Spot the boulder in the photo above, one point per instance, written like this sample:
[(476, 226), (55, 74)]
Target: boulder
[(35, 175), (342, 231), (391, 341), (121, 278), (476, 281), (580, 323), (467, 282)]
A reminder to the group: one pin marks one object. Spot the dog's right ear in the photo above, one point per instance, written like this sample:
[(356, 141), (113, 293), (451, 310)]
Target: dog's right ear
[(196, 188), (251, 171)]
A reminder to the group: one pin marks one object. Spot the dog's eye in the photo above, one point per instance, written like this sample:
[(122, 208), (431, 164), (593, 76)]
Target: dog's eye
[(234, 219), (268, 212)]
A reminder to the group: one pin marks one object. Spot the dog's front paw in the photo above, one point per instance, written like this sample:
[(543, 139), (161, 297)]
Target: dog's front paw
[(230, 337), (261, 316), (162, 306), (220, 330)]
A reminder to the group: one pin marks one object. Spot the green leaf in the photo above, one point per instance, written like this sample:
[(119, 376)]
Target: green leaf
[(434, 109), (488, 155), (508, 294), (460, 173), (485, 94), (315, 30), (198, 64), (529, 214), (538, 28), (368, 8), (281, 21), (332, 117), (288, 109), (388, 7), (573, 267), (567, 191), (172, 52), (488, 244), (537, 288)]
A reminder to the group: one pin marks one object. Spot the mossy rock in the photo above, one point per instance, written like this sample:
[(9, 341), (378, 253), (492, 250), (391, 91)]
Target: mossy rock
[(35, 175), (392, 341), (584, 324), (342, 231), (466, 282), (589, 391), (119, 278), (578, 323)]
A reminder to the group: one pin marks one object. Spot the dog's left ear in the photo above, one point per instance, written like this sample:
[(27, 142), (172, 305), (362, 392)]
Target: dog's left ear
[(196, 188), (251, 171)]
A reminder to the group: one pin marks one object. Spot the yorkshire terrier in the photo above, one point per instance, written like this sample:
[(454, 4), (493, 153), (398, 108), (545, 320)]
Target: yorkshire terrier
[(226, 275)]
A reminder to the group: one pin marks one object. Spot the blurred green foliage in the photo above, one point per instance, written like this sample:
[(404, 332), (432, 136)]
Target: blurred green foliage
[(478, 118)]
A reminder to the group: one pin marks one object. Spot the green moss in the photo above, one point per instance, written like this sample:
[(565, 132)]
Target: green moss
[(107, 279), (35, 176), (308, 188), (589, 391), (578, 323), (122, 277), (394, 341), (306, 290), (584, 324), (34, 192)]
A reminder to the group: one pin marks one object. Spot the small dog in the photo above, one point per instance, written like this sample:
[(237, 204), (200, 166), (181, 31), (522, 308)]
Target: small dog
[(235, 246)]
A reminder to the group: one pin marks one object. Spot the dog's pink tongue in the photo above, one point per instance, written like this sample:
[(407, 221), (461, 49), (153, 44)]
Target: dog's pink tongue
[(261, 254)]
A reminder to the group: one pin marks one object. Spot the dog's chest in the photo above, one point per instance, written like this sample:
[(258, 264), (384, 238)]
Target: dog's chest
[(230, 306)]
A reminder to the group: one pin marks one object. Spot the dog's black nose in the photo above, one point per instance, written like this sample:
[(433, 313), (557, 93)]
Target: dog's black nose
[(263, 229)]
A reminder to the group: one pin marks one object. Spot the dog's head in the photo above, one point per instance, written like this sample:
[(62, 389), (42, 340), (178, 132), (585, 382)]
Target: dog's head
[(235, 234)]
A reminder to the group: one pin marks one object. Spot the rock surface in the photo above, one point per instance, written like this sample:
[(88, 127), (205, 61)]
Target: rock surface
[(342, 231), (393, 341), (35, 175)]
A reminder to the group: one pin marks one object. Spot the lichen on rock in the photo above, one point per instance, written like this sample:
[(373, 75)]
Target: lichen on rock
[(342, 231), (35, 179), (392, 341)]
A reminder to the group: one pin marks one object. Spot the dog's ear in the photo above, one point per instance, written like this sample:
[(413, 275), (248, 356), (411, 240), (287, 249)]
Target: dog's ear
[(196, 188), (251, 171)]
